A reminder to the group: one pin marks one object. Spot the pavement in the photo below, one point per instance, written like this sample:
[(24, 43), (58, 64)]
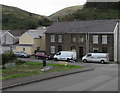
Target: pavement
[(35, 78)]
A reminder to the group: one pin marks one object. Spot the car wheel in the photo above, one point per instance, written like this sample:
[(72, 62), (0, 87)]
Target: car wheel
[(56, 59), (37, 57), (68, 60), (23, 56), (84, 60), (102, 61)]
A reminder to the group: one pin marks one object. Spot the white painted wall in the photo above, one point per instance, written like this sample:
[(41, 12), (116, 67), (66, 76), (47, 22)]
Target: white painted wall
[(119, 43), (116, 43)]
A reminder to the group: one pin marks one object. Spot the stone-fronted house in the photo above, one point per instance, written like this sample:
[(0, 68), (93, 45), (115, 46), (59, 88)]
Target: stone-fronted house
[(31, 41), (82, 36)]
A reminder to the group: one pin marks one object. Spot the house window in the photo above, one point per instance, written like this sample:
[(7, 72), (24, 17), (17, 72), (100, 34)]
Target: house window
[(38, 48), (81, 39), (95, 39), (104, 39), (104, 50), (73, 39), (59, 38), (73, 48), (52, 49), (52, 38), (23, 49), (95, 50)]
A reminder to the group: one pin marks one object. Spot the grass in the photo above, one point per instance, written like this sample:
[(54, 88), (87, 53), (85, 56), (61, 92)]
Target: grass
[(32, 68)]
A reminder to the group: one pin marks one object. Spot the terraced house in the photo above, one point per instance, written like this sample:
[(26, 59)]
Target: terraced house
[(82, 36)]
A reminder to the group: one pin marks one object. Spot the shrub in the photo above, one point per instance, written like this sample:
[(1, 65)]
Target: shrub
[(8, 57), (19, 61)]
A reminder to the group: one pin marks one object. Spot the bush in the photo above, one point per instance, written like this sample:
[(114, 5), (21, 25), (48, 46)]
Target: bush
[(8, 57), (19, 61)]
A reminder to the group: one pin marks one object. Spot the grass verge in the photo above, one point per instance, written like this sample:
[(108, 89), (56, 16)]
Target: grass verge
[(32, 68)]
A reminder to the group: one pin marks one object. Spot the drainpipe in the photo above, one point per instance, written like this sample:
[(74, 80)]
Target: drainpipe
[(87, 43), (118, 40)]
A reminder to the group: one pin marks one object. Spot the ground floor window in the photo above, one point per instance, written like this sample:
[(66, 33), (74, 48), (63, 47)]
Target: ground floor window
[(38, 48), (73, 48), (95, 50), (23, 49), (52, 49), (104, 50)]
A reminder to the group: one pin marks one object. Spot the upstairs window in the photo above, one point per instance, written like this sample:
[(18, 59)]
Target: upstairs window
[(52, 38), (95, 39), (73, 39), (104, 39), (81, 39), (59, 38)]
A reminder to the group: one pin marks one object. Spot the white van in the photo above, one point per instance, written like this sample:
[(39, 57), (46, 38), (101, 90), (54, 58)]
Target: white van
[(66, 55), (96, 57)]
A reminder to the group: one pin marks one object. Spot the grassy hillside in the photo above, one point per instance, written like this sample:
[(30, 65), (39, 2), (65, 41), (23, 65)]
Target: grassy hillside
[(65, 12), (90, 11), (15, 18)]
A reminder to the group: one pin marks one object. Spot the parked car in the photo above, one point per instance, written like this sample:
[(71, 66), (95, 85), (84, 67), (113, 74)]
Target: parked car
[(96, 57), (66, 55), (21, 54), (40, 55)]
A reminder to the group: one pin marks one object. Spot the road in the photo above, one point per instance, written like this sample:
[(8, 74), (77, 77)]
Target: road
[(103, 78)]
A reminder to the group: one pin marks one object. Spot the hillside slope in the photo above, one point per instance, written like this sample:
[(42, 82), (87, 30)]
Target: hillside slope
[(15, 18), (89, 11), (64, 12)]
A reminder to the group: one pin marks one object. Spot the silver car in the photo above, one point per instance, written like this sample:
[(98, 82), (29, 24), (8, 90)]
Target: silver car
[(21, 54)]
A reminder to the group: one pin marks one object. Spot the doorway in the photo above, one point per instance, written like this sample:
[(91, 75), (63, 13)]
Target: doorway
[(59, 48), (80, 52)]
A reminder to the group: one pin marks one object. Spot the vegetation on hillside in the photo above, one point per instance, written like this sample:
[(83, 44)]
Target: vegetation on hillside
[(94, 11), (64, 12), (15, 18)]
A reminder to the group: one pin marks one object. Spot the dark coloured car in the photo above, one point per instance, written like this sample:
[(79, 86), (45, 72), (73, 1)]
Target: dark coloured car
[(21, 54), (41, 55)]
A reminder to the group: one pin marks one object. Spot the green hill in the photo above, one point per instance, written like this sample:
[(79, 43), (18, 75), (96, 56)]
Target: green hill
[(90, 11), (64, 12), (15, 18)]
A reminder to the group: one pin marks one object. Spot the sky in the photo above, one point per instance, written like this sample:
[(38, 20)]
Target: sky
[(42, 7)]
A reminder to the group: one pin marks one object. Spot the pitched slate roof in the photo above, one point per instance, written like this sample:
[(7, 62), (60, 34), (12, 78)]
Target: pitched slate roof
[(17, 32), (96, 26), (36, 33), (3, 31)]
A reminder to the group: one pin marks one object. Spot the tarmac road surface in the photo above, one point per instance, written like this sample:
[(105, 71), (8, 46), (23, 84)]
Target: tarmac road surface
[(103, 78)]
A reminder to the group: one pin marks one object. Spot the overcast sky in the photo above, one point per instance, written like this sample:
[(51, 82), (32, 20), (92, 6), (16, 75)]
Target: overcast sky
[(42, 7)]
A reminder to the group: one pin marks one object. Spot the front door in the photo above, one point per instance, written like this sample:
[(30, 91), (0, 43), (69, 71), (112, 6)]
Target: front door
[(80, 52)]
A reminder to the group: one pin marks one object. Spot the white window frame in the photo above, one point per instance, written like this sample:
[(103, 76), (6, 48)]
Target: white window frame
[(95, 39), (104, 39), (52, 38), (73, 39), (59, 38), (81, 39), (95, 49), (52, 49)]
